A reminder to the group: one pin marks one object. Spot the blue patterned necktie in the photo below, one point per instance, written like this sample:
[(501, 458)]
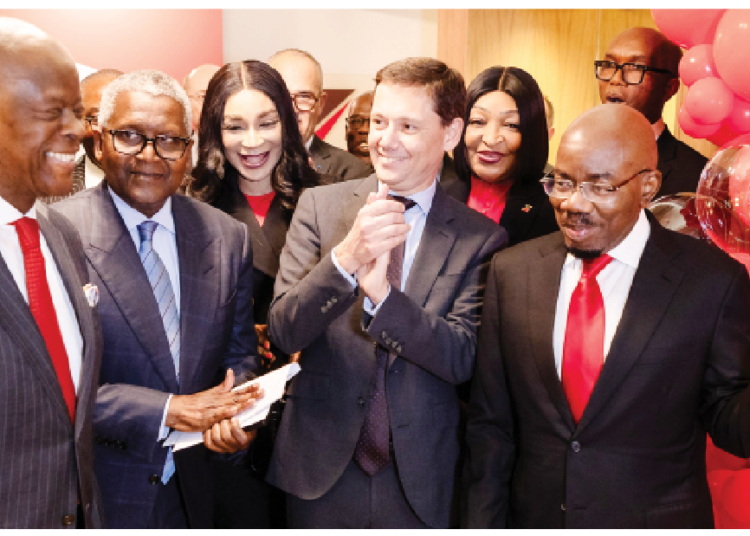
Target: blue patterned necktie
[(371, 452), (158, 277)]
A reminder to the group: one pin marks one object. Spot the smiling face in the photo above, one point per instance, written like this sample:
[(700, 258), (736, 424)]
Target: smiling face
[(144, 181), (493, 137), (356, 136), (252, 136), (407, 140), (41, 124), (641, 46)]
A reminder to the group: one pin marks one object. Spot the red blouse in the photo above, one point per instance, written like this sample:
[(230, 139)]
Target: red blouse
[(489, 198), (260, 205)]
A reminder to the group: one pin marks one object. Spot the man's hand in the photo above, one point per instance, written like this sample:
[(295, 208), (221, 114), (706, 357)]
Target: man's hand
[(379, 227), (198, 412), (264, 343), (227, 436)]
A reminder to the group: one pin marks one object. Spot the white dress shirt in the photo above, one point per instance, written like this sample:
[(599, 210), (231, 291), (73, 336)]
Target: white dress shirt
[(164, 242), (416, 216), (93, 175), (614, 281), (10, 249)]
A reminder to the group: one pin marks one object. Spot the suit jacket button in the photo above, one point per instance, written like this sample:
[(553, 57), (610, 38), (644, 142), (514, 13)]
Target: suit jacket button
[(384, 336), (334, 300), (153, 480), (562, 507), (324, 309), (68, 520), (576, 446), (361, 402)]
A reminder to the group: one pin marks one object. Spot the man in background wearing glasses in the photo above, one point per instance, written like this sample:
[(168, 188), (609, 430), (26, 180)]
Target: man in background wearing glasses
[(606, 352), (175, 283), (303, 77), (640, 70)]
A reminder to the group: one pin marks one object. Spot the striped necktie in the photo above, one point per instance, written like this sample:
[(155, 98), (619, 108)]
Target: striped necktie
[(165, 300)]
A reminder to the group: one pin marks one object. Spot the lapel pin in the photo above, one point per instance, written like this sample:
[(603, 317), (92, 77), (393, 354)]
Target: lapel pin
[(526, 208), (92, 294)]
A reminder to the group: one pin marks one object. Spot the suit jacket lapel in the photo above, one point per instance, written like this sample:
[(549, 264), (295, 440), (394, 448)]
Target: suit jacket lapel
[(654, 286), (544, 286), (72, 278), (667, 147), (113, 255), (200, 285), (19, 324)]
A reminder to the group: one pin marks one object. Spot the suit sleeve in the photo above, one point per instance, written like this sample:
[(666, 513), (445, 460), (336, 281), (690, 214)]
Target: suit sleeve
[(241, 353), (309, 292), (444, 346), (490, 428), (725, 411)]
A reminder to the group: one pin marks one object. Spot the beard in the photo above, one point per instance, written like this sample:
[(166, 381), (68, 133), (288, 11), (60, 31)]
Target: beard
[(585, 253)]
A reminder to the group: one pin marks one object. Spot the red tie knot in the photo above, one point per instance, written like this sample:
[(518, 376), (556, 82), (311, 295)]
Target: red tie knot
[(592, 267), (28, 233)]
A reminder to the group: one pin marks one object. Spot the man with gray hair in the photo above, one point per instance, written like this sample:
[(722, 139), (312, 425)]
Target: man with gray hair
[(303, 77), (175, 283)]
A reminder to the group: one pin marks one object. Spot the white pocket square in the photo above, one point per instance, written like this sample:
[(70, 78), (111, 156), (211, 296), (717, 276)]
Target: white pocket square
[(92, 294)]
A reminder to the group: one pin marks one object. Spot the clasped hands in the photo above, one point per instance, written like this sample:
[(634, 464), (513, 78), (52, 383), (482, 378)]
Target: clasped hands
[(378, 228), (213, 413)]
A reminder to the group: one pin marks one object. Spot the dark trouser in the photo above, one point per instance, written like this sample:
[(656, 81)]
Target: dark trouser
[(169, 509), (243, 500), (357, 501)]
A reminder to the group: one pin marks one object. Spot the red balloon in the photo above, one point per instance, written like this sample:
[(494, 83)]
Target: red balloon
[(735, 496), (697, 63), (723, 136), (709, 101), (732, 51), (693, 129), (716, 481), (739, 117), (717, 459), (688, 27)]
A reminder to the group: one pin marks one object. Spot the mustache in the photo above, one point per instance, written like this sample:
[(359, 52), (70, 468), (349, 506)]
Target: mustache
[(576, 219)]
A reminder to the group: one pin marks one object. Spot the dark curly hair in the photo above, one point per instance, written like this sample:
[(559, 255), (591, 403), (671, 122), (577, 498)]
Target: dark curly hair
[(213, 172), (521, 86)]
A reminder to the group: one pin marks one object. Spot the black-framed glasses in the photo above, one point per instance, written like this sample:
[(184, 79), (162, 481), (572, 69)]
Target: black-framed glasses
[(632, 73), (358, 122), (131, 143), (92, 120), (304, 102), (600, 193)]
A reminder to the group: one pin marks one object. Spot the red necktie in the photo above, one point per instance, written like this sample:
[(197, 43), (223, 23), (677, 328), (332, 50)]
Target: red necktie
[(583, 350), (40, 303)]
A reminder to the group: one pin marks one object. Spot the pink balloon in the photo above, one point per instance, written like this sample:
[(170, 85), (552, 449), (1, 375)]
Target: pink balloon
[(688, 27), (723, 136), (693, 129), (739, 117), (709, 101), (697, 63), (735, 496), (732, 51)]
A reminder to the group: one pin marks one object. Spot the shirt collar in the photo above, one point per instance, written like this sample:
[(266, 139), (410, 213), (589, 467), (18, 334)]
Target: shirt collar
[(9, 213), (423, 199), (309, 143), (658, 127), (133, 218), (630, 250)]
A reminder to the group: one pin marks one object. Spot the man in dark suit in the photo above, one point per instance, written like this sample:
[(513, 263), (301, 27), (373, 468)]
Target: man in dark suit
[(303, 77), (50, 339), (593, 393), (175, 277), (348, 453), (647, 86)]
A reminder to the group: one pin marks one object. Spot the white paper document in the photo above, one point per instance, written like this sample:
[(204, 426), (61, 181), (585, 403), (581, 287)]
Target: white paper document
[(273, 385)]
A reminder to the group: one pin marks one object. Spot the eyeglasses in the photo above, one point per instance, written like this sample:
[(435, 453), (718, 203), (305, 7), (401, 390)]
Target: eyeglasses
[(92, 120), (632, 73), (131, 143), (304, 102), (599, 193), (358, 122)]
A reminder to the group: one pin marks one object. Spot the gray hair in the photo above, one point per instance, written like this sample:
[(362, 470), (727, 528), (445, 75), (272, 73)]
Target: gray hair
[(155, 83)]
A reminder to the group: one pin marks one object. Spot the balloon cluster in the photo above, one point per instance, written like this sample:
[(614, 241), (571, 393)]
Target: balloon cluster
[(729, 482), (715, 69)]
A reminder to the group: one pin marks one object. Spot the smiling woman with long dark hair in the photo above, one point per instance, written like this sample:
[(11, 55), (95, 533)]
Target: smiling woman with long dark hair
[(502, 153)]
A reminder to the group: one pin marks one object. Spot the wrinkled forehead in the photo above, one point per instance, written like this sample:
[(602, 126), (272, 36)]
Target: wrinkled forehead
[(140, 109)]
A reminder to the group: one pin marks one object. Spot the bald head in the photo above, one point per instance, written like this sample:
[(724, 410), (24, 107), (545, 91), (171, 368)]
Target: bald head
[(195, 84), (609, 154), (41, 115), (643, 46)]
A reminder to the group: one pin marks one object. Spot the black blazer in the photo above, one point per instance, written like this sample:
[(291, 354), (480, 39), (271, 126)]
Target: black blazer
[(680, 165), (528, 213), (678, 366), (331, 160)]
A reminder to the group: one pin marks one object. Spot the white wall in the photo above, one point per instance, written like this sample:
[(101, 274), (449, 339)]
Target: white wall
[(351, 45)]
